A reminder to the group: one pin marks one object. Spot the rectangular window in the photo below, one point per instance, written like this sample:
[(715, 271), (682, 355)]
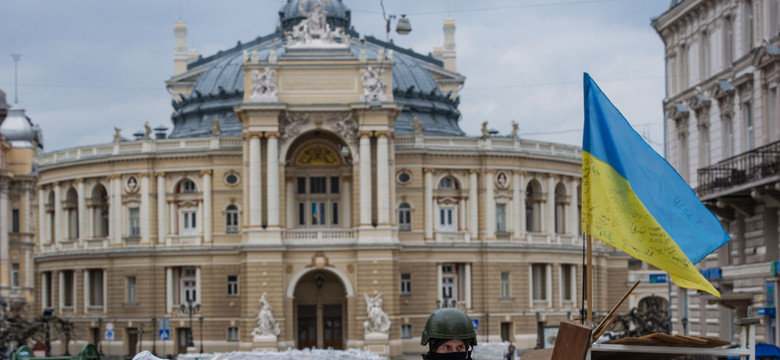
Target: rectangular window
[(748, 25), (501, 217), (539, 282), (131, 294), (96, 287), (15, 220), (748, 114), (135, 222), (704, 146), (232, 285), (231, 220), (46, 291), (317, 185), (728, 136), (67, 286), (567, 280), (318, 213), (773, 14), (335, 213), (406, 331), (505, 290), (301, 214), (232, 334), (406, 284), (15, 275), (772, 119), (301, 185), (728, 40), (704, 56), (334, 184), (404, 217), (189, 224)]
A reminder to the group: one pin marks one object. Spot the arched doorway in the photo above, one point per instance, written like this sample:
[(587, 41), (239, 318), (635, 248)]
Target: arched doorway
[(320, 308)]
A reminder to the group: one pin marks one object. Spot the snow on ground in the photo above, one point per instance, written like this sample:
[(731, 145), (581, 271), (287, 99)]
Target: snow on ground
[(490, 351), (485, 351), (290, 354)]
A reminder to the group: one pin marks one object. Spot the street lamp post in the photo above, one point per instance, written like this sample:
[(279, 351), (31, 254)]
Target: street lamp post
[(47, 314), (200, 320), (190, 308)]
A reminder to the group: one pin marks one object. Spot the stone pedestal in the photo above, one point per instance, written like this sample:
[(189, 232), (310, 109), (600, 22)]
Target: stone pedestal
[(377, 343), (264, 342)]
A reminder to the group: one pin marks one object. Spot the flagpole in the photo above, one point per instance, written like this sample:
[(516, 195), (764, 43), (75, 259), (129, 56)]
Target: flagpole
[(589, 279)]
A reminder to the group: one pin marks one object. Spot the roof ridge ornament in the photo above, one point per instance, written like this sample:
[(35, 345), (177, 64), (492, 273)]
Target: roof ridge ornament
[(314, 31)]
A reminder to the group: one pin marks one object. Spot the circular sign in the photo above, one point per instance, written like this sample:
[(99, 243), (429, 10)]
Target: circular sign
[(109, 326)]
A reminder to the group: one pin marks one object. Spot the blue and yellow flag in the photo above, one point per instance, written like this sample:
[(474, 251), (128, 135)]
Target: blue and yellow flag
[(635, 201)]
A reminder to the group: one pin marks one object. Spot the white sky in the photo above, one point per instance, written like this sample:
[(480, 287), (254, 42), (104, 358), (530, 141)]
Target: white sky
[(90, 65)]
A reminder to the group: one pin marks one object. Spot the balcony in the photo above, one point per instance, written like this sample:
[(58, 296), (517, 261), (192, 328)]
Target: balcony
[(323, 236), (453, 237), (755, 166)]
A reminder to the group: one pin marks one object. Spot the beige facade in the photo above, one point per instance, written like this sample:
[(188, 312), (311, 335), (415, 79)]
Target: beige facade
[(318, 203), (722, 133)]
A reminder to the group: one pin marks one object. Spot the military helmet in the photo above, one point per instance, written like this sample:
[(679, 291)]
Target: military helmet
[(449, 324)]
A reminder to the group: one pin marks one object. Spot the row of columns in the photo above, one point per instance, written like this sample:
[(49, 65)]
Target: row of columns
[(88, 215), (466, 284), (256, 180), (86, 288), (471, 222)]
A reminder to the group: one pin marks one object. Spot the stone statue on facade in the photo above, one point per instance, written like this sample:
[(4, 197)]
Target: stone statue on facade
[(314, 30), (216, 130), (117, 134), (266, 325), (417, 126), (373, 88), (485, 131), (378, 321), (147, 131), (263, 86), (515, 127)]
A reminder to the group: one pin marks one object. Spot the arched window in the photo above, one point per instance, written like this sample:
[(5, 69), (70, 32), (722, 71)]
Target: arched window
[(50, 217), (447, 183), (533, 211), (98, 205), (71, 214), (231, 219), (404, 217), (560, 208), (186, 186)]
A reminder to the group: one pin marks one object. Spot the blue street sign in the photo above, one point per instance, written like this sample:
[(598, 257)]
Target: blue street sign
[(476, 323), (109, 335), (164, 334), (658, 278), (768, 311)]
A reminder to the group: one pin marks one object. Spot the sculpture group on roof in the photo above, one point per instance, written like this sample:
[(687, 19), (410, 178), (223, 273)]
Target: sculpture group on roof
[(314, 30)]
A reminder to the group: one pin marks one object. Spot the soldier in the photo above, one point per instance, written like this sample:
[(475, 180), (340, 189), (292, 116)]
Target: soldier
[(449, 334)]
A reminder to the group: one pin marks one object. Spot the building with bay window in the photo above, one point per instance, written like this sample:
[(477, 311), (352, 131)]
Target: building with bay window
[(316, 169), (722, 135)]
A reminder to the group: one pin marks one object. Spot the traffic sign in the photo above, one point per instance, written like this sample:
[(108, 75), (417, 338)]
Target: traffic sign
[(109, 335), (165, 323), (109, 326), (475, 322), (164, 334)]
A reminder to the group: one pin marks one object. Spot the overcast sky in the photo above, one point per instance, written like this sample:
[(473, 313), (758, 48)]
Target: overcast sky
[(90, 65)]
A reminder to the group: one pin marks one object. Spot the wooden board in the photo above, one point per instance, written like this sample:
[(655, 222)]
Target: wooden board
[(572, 342), (540, 354)]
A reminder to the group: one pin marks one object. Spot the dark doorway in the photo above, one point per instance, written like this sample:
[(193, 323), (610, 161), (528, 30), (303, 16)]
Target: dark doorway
[(182, 338), (331, 321), (307, 326), (132, 341)]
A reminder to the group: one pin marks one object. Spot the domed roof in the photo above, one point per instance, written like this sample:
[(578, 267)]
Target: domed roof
[(19, 130), (338, 14), (221, 86)]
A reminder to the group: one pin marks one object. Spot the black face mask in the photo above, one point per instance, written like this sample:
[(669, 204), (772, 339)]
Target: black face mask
[(449, 356)]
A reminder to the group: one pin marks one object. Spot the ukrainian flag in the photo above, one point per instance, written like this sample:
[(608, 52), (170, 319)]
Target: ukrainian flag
[(635, 201)]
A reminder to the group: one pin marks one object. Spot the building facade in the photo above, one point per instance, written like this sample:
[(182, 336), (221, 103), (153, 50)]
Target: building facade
[(722, 133), (321, 177), (20, 141)]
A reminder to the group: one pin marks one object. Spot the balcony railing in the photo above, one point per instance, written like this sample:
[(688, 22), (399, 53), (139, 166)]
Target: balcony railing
[(745, 168)]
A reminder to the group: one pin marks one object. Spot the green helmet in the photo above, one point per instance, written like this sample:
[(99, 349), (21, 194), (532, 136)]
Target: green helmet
[(449, 324)]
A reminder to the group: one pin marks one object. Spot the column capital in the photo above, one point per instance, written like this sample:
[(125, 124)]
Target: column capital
[(272, 134), (490, 171), (39, 187), (79, 180), (518, 172), (206, 172), (364, 133), (473, 171), (346, 178), (429, 170), (143, 174), (383, 133), (112, 177), (55, 183), (251, 135), (159, 174)]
